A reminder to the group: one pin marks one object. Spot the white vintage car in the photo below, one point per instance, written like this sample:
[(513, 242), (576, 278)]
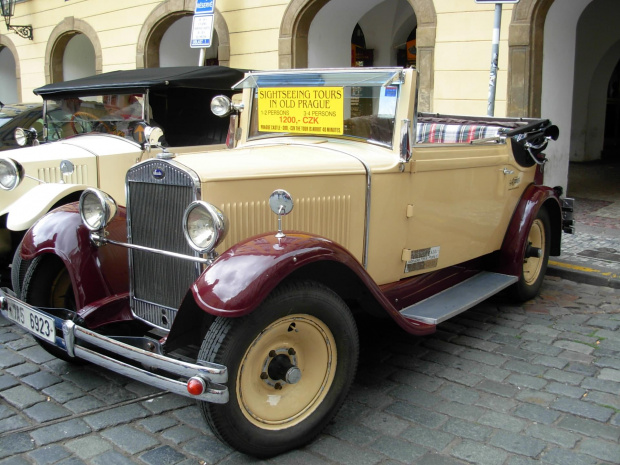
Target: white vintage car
[(233, 277), (94, 131)]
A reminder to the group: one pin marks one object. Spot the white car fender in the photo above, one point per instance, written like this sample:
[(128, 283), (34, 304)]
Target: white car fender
[(35, 203)]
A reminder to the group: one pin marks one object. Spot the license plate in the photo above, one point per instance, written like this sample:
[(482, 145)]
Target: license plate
[(34, 321)]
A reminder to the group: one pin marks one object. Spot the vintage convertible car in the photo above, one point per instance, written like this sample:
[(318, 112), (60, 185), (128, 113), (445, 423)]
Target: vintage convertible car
[(98, 123), (235, 277)]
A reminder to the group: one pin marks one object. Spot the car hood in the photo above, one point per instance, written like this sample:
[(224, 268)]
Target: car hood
[(41, 163), (286, 157), (89, 145)]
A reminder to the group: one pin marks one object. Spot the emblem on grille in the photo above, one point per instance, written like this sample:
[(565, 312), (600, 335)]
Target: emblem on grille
[(158, 173)]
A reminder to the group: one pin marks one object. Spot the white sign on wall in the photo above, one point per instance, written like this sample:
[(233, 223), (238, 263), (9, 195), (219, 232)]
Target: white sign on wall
[(202, 24)]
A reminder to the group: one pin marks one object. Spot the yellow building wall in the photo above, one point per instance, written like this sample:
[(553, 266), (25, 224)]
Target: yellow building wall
[(254, 28), (117, 23), (463, 57), (462, 54)]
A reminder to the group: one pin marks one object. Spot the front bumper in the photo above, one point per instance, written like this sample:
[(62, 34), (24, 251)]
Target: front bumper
[(163, 372)]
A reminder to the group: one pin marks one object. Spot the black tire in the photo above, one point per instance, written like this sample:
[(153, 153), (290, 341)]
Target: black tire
[(534, 268), (19, 267), (261, 418), (47, 283)]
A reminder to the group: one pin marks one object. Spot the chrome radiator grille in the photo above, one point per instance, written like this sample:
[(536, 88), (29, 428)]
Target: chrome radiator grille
[(158, 192)]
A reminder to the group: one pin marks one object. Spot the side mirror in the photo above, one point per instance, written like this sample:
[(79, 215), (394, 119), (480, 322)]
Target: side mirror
[(281, 203), (25, 137)]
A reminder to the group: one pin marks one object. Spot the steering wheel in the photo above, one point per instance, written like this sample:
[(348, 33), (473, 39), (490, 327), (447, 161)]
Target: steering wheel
[(82, 118)]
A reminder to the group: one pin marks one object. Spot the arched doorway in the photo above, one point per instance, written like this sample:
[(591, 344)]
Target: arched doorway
[(73, 44), (165, 36), (10, 91), (174, 49), (78, 59), (318, 33), (561, 58)]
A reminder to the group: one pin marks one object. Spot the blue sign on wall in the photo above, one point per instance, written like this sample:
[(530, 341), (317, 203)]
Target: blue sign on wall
[(202, 24), (204, 7)]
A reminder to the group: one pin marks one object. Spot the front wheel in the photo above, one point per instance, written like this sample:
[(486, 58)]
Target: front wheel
[(47, 283), (290, 363), (535, 258)]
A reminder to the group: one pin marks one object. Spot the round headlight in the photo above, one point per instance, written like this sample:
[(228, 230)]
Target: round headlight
[(11, 174), (25, 137), (205, 226), (221, 105), (96, 209)]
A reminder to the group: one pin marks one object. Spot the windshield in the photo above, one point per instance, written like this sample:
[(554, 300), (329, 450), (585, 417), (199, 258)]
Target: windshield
[(354, 104), (116, 114), (8, 112)]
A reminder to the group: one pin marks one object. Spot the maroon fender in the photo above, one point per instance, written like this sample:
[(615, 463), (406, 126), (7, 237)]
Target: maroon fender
[(532, 200), (96, 272), (243, 276)]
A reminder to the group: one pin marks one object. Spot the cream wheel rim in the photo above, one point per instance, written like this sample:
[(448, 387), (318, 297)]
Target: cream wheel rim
[(533, 265), (273, 403)]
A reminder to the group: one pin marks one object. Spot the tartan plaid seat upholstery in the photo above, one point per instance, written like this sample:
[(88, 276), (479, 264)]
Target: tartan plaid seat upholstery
[(441, 133)]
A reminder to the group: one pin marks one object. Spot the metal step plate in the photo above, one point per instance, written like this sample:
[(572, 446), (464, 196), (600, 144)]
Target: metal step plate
[(458, 298)]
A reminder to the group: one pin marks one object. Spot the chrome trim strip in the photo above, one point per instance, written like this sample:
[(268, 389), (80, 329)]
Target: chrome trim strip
[(284, 72), (99, 239), (216, 373), (213, 373)]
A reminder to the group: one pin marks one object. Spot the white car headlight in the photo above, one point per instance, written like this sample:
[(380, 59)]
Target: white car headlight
[(221, 105), (11, 174), (25, 137), (204, 225), (96, 209)]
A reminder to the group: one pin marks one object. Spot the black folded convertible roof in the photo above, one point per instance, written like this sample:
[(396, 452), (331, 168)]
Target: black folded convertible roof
[(137, 80)]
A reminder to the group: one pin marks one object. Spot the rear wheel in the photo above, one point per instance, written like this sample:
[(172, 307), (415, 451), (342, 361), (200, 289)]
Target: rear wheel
[(47, 284), (291, 364), (535, 258)]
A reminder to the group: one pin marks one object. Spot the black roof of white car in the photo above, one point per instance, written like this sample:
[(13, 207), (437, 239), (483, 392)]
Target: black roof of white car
[(137, 80)]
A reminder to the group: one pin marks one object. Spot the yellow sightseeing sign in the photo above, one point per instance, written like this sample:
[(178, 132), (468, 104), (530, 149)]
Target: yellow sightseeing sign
[(316, 110)]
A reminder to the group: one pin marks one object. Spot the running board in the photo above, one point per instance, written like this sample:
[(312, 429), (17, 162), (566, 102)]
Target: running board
[(458, 298)]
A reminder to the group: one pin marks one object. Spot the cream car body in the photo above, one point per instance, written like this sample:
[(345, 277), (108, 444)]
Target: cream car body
[(232, 276)]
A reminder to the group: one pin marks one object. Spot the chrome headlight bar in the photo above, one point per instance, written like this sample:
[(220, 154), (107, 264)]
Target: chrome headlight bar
[(204, 225)]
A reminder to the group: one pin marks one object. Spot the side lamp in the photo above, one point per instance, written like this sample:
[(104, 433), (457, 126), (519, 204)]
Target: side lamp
[(8, 10)]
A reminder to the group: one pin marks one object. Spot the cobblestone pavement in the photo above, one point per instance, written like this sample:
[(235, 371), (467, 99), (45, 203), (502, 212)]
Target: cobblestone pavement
[(501, 384)]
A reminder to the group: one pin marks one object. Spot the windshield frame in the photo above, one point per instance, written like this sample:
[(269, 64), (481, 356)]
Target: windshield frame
[(377, 79)]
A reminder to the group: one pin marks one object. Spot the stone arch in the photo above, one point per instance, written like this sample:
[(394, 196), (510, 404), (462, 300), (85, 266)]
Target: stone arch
[(525, 57), (158, 22), (293, 40), (57, 42), (5, 42)]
